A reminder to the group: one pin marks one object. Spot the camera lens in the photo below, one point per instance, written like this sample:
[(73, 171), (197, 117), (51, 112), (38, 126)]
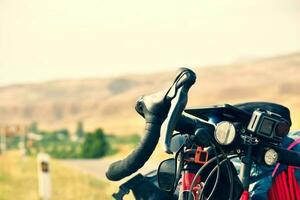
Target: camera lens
[(282, 129)]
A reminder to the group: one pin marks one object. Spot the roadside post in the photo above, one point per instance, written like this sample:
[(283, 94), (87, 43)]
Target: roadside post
[(22, 143), (44, 179), (2, 140)]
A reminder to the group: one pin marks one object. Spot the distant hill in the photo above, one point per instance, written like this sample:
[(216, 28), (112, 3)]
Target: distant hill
[(109, 103)]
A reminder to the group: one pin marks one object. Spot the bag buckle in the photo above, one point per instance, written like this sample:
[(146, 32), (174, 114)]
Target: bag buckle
[(201, 156)]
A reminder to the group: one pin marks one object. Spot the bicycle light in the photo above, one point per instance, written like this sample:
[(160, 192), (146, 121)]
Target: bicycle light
[(271, 157), (225, 133)]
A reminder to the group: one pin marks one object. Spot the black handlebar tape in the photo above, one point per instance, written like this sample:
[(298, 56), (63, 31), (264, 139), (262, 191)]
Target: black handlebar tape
[(189, 125), (154, 108), (186, 124), (137, 158)]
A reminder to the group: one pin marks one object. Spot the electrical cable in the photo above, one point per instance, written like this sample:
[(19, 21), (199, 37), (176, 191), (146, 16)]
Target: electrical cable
[(199, 172), (211, 173), (230, 175), (217, 178)]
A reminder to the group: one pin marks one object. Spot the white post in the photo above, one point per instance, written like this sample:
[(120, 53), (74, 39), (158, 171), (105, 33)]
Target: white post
[(22, 145), (44, 179), (3, 143)]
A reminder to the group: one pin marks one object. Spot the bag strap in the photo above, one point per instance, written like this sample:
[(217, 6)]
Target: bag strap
[(292, 145)]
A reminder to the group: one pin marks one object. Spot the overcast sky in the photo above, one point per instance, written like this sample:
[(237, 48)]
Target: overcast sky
[(57, 39)]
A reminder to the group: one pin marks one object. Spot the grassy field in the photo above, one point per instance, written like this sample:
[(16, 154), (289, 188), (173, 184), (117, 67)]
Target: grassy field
[(18, 180)]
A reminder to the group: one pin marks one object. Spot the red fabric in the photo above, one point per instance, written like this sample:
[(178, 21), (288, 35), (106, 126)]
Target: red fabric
[(245, 195), (296, 186), (280, 189), (285, 186), (286, 190), (291, 178), (188, 179), (187, 183)]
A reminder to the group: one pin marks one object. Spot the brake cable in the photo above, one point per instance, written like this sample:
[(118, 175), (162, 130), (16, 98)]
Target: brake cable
[(200, 171), (229, 173), (211, 173), (217, 178), (207, 164)]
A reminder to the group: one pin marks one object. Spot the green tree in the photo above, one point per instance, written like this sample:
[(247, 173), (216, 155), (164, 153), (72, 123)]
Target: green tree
[(79, 129), (95, 145), (33, 127)]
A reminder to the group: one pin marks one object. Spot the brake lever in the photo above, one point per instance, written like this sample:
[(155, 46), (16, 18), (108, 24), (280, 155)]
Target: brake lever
[(166, 107), (178, 95)]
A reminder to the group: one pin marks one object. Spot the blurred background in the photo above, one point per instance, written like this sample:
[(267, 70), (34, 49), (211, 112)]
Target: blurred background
[(71, 72)]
